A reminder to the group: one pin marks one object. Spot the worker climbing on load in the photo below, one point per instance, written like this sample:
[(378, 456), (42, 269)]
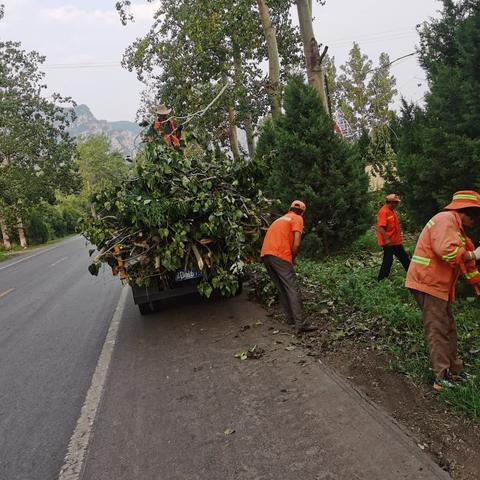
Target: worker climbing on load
[(165, 124), (389, 236), (444, 252), (280, 246)]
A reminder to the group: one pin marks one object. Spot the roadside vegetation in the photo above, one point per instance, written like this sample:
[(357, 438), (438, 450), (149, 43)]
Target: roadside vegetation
[(342, 293), (46, 177)]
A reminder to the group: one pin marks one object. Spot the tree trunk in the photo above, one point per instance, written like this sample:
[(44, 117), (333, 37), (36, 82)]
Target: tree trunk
[(232, 131), (273, 86), (250, 135), (245, 106), (21, 233), (311, 51), (5, 237), (93, 210), (232, 127)]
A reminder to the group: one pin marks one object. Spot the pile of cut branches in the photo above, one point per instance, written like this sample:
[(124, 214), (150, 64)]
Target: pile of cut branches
[(180, 209)]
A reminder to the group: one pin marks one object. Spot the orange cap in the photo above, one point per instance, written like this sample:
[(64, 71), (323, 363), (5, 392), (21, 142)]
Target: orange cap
[(298, 204), (464, 199), (392, 198)]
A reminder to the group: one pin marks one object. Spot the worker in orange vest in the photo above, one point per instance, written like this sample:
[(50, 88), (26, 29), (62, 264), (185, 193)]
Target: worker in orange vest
[(444, 252), (280, 247), (389, 236), (165, 124)]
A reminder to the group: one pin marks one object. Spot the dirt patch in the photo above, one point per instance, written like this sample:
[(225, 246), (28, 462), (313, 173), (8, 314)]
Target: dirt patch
[(451, 440)]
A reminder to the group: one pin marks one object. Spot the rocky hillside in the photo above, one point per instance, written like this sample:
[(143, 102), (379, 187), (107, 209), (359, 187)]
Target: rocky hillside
[(122, 135)]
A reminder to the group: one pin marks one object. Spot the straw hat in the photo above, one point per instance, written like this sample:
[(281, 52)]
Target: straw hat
[(162, 110)]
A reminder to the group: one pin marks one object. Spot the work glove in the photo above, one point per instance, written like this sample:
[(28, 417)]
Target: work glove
[(476, 252)]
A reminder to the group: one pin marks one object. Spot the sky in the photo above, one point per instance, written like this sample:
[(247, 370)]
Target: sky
[(83, 41)]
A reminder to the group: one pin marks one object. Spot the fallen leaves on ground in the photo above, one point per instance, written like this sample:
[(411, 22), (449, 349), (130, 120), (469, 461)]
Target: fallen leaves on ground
[(254, 352)]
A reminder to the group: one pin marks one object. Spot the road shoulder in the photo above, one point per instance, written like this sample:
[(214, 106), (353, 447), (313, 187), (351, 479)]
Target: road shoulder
[(179, 404)]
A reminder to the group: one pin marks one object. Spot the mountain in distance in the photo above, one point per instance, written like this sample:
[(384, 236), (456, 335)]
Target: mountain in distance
[(122, 135)]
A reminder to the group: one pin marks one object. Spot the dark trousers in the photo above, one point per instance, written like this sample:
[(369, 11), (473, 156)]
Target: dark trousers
[(388, 253), (440, 332), (283, 276)]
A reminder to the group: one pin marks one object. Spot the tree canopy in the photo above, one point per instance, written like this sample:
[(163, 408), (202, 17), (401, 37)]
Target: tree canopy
[(438, 147), (36, 152), (305, 159)]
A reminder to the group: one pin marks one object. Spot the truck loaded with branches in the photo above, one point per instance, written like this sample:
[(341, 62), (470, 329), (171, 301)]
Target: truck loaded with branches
[(185, 219)]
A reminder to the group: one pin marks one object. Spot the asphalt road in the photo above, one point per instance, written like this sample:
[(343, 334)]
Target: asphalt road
[(178, 405), (53, 320)]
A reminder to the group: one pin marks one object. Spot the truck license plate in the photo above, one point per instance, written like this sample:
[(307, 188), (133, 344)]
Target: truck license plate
[(184, 275)]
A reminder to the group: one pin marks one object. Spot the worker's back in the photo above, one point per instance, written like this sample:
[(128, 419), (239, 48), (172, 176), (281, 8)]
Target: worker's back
[(279, 237)]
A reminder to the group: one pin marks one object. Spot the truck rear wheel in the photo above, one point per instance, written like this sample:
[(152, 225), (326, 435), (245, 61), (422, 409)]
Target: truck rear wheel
[(146, 308)]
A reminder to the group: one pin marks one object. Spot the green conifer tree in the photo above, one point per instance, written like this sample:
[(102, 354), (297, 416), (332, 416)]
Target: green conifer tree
[(306, 160), (438, 148)]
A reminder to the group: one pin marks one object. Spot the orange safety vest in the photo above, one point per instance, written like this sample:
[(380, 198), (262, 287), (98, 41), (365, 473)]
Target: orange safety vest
[(169, 134), (388, 219), (438, 258), (280, 236)]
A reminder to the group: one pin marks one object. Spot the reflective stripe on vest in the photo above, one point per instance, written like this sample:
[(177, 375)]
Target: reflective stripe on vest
[(471, 275), (451, 256), (430, 224), (421, 260)]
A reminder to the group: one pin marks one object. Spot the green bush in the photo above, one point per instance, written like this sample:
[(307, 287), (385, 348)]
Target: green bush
[(53, 217), (366, 243), (36, 230), (312, 246)]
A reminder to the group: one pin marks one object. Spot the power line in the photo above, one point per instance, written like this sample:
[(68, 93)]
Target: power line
[(392, 62), (383, 33), (68, 66), (370, 38)]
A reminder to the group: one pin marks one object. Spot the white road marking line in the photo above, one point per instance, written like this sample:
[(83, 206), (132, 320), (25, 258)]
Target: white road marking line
[(58, 261), (35, 254), (77, 447), (10, 290), (26, 258)]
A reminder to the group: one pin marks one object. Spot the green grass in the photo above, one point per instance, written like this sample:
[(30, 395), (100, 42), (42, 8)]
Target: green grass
[(345, 290)]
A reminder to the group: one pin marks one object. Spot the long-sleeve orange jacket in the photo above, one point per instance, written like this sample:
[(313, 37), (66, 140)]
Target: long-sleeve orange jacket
[(438, 259)]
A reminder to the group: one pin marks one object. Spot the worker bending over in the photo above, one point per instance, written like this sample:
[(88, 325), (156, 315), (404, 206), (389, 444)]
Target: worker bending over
[(280, 247), (444, 252)]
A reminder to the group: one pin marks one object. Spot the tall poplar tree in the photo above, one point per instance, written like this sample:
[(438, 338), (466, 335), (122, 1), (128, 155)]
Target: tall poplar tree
[(195, 47)]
